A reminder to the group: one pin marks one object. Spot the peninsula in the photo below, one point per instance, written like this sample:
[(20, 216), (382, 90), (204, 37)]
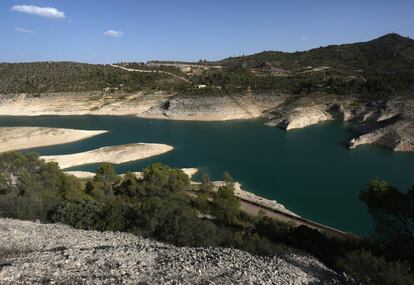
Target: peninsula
[(16, 138), (111, 154)]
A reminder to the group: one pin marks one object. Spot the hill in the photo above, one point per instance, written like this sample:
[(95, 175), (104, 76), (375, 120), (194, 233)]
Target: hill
[(45, 77), (390, 54), (382, 67)]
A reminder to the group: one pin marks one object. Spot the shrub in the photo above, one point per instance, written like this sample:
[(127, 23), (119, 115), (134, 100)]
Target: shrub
[(226, 206), (366, 268), (161, 180)]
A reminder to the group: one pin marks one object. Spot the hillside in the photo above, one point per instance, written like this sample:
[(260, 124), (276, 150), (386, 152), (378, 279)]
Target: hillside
[(45, 77), (390, 54), (382, 67)]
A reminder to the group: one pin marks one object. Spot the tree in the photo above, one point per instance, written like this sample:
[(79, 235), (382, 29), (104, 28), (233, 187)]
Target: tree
[(226, 206), (228, 179), (392, 211), (30, 187), (102, 185), (106, 173), (162, 180), (206, 186), (393, 215), (202, 203), (130, 186), (370, 269)]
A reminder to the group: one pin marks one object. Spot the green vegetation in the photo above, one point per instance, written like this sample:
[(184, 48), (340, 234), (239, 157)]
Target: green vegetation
[(387, 54), (370, 269), (376, 69), (43, 77), (379, 68), (393, 216), (159, 206)]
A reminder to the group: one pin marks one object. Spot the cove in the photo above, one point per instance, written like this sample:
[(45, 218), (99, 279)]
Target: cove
[(308, 170)]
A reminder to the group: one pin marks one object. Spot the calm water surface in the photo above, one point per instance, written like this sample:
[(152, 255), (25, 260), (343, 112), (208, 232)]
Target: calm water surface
[(308, 170)]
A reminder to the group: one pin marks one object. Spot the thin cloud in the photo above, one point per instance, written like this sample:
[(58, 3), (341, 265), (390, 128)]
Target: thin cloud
[(46, 12), (22, 30), (114, 34), (304, 38)]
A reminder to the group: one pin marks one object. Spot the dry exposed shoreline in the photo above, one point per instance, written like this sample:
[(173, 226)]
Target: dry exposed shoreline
[(88, 175), (16, 138), (156, 105), (112, 154), (391, 122)]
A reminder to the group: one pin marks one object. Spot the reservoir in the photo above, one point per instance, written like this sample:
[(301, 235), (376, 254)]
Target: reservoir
[(308, 170)]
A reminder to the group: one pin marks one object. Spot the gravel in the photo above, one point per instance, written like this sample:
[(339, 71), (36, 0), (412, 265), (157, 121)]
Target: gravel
[(34, 253)]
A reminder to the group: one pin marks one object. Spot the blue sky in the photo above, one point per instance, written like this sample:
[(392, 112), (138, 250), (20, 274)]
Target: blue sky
[(102, 31)]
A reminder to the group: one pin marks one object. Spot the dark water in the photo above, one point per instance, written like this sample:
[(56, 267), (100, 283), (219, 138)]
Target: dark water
[(308, 170)]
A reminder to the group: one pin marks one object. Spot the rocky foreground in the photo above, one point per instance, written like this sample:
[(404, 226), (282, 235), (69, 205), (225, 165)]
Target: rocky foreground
[(33, 253)]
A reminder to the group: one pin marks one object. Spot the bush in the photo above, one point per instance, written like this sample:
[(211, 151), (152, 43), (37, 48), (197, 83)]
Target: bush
[(161, 180), (226, 206), (130, 186), (366, 268), (393, 215), (30, 187)]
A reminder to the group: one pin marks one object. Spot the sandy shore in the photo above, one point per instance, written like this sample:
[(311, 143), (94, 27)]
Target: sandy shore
[(113, 154), (88, 175), (15, 138)]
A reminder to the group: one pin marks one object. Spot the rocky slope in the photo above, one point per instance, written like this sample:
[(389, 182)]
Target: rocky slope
[(213, 108), (32, 253), (161, 105), (388, 123)]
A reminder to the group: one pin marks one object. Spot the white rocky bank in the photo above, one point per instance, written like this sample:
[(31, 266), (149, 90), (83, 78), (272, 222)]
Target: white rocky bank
[(58, 254), (387, 123)]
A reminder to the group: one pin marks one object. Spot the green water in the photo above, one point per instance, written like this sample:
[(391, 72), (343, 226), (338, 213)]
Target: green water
[(308, 170)]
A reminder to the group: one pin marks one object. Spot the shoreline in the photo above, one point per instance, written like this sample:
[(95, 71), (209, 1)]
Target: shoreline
[(112, 154), (390, 123), (156, 105), (20, 138), (190, 172)]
